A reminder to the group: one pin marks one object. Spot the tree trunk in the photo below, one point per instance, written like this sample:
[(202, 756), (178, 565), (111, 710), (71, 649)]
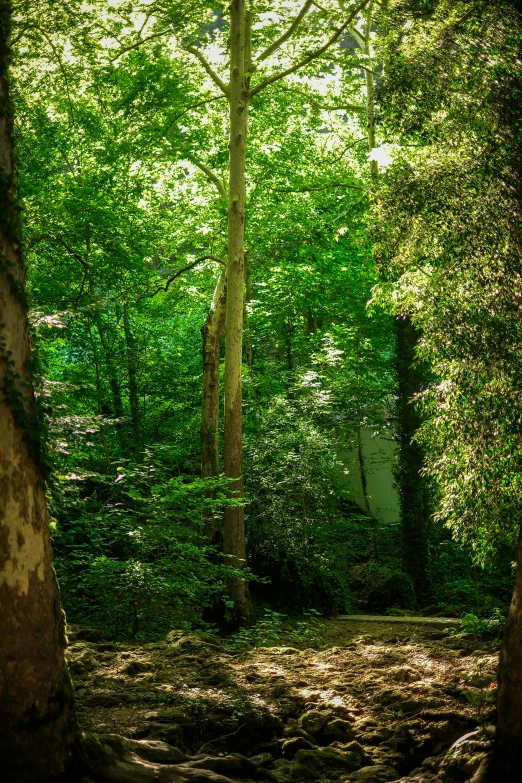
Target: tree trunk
[(212, 333), (99, 400), (411, 484), (249, 350), (370, 96), (111, 369), (506, 764), (131, 369), (36, 701), (234, 538)]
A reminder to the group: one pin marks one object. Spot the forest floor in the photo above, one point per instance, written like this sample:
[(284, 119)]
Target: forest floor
[(382, 701)]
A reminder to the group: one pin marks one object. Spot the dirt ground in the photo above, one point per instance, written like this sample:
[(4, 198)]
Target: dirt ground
[(382, 701)]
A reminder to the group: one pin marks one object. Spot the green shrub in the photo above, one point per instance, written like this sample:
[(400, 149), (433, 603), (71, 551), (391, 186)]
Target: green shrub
[(385, 585), (131, 557), (298, 537)]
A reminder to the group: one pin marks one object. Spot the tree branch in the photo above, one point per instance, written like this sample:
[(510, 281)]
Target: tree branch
[(139, 43), (58, 238), (213, 177), (340, 30), (178, 274), (353, 30), (60, 65), (288, 34), (208, 68), (173, 119), (77, 257)]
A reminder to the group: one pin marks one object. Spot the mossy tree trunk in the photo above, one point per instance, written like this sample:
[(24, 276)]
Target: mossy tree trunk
[(36, 703)]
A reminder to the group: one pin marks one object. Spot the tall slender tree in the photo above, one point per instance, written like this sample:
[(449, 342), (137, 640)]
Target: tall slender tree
[(239, 93)]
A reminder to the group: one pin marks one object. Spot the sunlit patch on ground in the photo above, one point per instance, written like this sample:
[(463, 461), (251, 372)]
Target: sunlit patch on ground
[(386, 698)]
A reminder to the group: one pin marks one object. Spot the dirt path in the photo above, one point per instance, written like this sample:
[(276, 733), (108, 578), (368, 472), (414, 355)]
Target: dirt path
[(382, 701)]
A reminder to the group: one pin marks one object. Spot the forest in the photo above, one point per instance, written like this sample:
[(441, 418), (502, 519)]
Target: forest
[(260, 391)]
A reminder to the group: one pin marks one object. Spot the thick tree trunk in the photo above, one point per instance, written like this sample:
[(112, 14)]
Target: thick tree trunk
[(131, 369), (506, 764), (36, 702), (234, 538), (411, 484), (212, 333)]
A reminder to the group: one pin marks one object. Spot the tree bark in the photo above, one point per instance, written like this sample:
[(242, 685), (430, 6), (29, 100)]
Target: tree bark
[(37, 724), (131, 369), (238, 94), (212, 333), (249, 350), (411, 484), (370, 95), (506, 764)]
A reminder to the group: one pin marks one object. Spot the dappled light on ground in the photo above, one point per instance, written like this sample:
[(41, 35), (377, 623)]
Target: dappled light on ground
[(389, 702)]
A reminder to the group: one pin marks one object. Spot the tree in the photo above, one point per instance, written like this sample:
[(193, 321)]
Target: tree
[(37, 726), (449, 227), (145, 159), (239, 93)]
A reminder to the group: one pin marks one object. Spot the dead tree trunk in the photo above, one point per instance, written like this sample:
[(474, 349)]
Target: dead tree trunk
[(36, 700)]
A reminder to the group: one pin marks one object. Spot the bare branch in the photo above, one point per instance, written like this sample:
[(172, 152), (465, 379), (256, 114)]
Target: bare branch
[(208, 68), (178, 274), (213, 177), (340, 30), (288, 34)]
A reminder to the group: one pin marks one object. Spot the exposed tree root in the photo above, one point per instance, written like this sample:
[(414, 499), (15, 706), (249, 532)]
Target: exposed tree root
[(115, 759)]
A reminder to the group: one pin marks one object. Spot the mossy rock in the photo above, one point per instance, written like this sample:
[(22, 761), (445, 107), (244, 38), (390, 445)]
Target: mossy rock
[(313, 721), (375, 774), (323, 760), (337, 729), (79, 633), (291, 746), (137, 667)]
